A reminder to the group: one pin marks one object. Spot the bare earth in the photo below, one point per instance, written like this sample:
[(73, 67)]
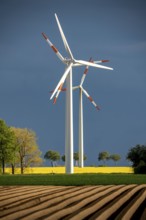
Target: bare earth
[(73, 202)]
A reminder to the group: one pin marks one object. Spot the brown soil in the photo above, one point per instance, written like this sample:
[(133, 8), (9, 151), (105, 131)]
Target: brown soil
[(73, 202)]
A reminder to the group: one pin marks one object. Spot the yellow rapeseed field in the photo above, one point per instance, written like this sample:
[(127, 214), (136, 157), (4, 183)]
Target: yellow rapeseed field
[(47, 170)]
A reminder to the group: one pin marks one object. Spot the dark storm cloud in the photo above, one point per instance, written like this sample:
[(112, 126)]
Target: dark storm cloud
[(102, 29)]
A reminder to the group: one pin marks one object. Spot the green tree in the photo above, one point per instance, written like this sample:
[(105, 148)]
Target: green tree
[(115, 158), (104, 156), (76, 158), (137, 155), (53, 156), (28, 152), (7, 139), (15, 157), (63, 158)]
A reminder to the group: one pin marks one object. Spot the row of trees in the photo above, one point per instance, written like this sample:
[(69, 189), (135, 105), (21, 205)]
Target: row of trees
[(104, 156), (136, 155), (18, 148), (55, 156)]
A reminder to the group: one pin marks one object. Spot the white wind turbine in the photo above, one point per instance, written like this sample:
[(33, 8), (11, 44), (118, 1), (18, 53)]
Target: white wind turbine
[(81, 91), (67, 75), (80, 129)]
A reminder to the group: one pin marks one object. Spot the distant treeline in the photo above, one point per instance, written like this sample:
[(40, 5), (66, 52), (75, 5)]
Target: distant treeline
[(18, 148)]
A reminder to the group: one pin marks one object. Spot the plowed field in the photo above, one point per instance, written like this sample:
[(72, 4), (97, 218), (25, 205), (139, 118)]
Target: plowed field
[(73, 202)]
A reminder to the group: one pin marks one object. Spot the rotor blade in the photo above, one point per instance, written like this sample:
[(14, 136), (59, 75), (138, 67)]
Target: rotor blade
[(63, 37), (101, 61), (62, 90), (87, 67), (85, 72), (90, 99), (58, 92), (98, 61), (62, 79), (53, 47), (93, 64)]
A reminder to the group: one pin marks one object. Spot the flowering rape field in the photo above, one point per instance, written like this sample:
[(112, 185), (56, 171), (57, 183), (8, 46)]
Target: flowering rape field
[(61, 170)]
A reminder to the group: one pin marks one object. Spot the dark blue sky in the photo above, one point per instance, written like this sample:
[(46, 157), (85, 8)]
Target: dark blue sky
[(103, 29)]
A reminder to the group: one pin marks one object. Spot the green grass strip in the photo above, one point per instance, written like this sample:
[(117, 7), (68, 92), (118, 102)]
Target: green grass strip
[(72, 179)]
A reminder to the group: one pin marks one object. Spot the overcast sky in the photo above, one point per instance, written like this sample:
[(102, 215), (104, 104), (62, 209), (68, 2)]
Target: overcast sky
[(101, 29)]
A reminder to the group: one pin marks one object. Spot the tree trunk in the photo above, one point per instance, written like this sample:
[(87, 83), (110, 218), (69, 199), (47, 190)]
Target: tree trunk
[(3, 166), (13, 168), (22, 165), (76, 163)]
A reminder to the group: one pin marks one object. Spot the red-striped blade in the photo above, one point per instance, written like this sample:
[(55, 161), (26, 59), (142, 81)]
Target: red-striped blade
[(85, 72), (104, 61), (100, 61), (87, 67), (93, 64), (90, 98), (58, 92), (62, 80), (53, 47), (62, 90), (54, 101)]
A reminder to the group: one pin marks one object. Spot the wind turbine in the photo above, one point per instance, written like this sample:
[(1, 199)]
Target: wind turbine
[(67, 75), (80, 129), (81, 91)]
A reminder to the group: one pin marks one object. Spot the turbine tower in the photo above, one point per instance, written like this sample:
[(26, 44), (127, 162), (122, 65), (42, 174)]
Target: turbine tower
[(67, 75)]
